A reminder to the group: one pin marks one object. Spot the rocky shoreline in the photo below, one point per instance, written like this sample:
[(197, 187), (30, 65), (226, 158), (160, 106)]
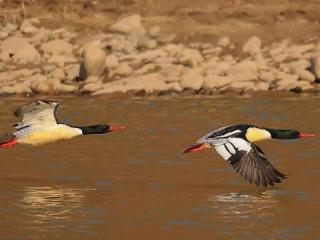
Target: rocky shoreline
[(128, 58)]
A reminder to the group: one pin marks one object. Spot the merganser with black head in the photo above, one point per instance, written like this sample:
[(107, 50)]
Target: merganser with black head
[(39, 125), (236, 144)]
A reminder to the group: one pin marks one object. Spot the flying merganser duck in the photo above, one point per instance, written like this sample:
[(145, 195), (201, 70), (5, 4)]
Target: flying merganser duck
[(236, 145), (39, 125)]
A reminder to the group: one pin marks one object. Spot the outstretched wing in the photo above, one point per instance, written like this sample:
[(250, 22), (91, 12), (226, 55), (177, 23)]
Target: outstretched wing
[(249, 161), (37, 112)]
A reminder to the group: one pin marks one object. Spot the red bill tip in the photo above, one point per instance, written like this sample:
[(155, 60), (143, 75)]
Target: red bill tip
[(306, 135), (195, 148), (116, 128), (8, 144)]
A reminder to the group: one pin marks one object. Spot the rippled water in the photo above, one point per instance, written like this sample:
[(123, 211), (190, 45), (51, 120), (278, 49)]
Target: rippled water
[(135, 184)]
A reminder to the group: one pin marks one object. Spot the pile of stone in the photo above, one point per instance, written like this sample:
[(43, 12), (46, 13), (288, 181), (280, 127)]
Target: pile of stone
[(130, 58)]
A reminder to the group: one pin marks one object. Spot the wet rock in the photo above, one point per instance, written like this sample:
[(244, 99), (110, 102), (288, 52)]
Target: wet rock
[(252, 46), (93, 61), (19, 50), (129, 25), (216, 82), (192, 79), (57, 47)]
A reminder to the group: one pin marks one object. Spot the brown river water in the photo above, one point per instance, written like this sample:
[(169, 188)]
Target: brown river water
[(135, 184)]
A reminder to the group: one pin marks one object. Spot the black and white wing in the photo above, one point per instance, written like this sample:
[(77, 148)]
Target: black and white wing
[(249, 161), (37, 113)]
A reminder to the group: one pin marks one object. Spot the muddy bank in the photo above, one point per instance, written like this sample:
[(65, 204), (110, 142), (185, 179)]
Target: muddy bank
[(139, 54)]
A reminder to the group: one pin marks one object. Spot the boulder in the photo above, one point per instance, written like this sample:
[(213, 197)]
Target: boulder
[(216, 82), (315, 65), (252, 46), (190, 57), (28, 27), (57, 47), (93, 61), (224, 41), (129, 25), (262, 86), (111, 61), (149, 83), (192, 79), (61, 60), (244, 71), (17, 49), (122, 70)]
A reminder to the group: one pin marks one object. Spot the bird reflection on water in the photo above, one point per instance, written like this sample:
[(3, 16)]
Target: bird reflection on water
[(243, 205), (50, 204)]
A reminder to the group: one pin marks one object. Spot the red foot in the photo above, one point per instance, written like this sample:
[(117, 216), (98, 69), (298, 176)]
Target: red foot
[(9, 144)]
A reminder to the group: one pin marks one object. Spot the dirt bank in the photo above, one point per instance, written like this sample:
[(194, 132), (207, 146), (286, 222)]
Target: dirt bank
[(158, 46)]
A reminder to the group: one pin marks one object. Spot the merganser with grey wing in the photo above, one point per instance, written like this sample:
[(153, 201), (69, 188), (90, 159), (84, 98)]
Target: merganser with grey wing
[(236, 144), (39, 125)]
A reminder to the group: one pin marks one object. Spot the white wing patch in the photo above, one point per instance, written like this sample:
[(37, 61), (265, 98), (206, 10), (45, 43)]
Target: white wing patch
[(229, 134), (240, 144), (231, 146), (222, 150)]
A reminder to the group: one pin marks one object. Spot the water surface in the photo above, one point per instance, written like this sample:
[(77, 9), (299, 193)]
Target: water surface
[(135, 184)]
